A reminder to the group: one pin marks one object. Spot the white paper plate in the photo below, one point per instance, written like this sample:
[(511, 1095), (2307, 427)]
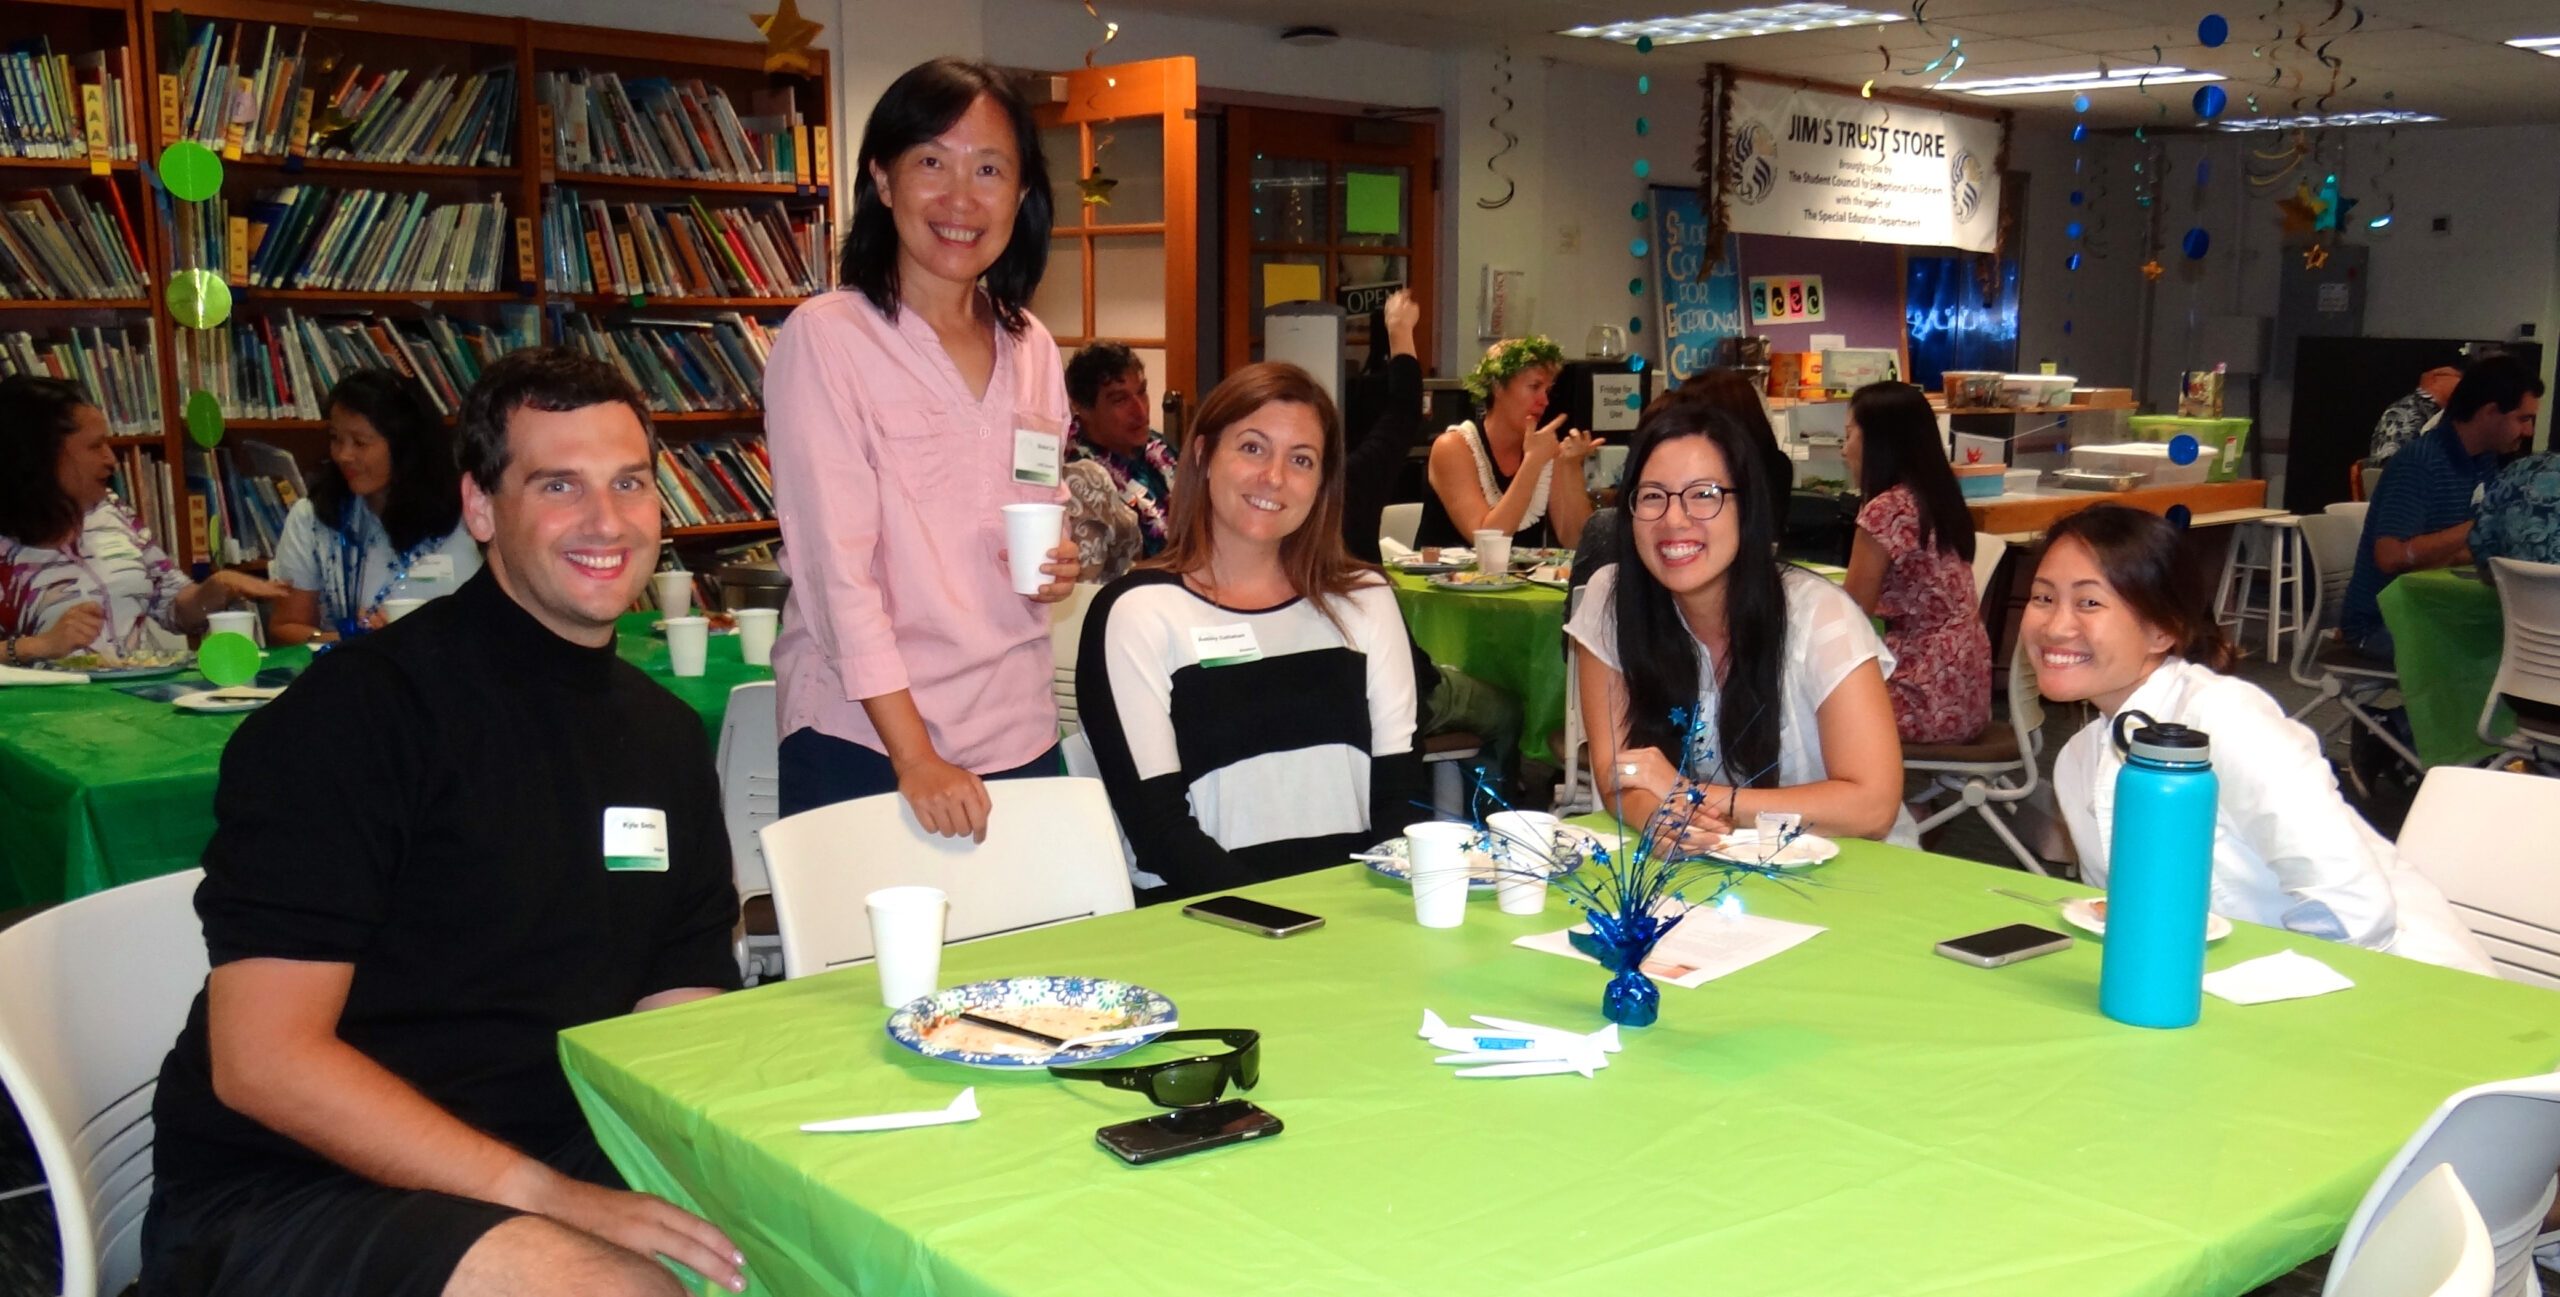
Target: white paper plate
[(1134, 1005), (1574, 844), (2089, 913), (1476, 583), (237, 699), (1807, 850)]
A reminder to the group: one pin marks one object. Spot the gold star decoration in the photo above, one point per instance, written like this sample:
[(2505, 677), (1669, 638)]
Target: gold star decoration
[(786, 39), (2302, 211), (2152, 269), (1096, 188), (2314, 257)]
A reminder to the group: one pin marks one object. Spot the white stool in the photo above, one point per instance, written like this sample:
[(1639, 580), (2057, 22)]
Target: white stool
[(2269, 548)]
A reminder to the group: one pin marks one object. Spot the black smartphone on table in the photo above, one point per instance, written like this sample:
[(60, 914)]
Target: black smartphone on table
[(1253, 916), (2004, 945), (1186, 1130)]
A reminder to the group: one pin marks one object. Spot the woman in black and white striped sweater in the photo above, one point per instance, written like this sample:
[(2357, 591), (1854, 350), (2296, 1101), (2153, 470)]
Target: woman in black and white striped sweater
[(1249, 692)]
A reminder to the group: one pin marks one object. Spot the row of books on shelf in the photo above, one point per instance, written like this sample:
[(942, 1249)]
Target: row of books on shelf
[(63, 106), (681, 366), (242, 491), (349, 240), (64, 243), (672, 130), (143, 482), (704, 482), (118, 367), (288, 101), (682, 249), (282, 365)]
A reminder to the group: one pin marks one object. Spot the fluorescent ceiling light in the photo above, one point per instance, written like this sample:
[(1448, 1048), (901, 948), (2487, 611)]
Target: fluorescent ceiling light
[(2115, 79), (2318, 121), (2538, 44), (1764, 20)]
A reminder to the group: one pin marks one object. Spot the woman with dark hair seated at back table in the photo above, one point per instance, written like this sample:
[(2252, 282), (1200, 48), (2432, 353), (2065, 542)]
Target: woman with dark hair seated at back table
[(384, 519), (1249, 692), (1911, 563), (77, 574)]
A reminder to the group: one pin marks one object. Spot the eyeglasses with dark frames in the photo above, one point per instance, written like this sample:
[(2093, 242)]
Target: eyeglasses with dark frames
[(1699, 501), (1185, 1082)]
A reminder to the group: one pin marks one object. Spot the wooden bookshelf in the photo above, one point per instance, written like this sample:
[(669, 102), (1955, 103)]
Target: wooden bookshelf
[(385, 36), (80, 165), (74, 304)]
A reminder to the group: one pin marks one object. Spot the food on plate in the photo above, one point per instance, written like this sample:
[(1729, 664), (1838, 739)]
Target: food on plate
[(1066, 1022), (92, 660)]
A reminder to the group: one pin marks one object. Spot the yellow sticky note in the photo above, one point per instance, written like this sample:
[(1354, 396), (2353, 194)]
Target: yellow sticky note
[(1287, 283)]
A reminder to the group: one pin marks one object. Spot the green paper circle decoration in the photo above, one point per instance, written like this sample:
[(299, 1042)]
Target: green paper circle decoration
[(1639, 211), (1635, 287), (1644, 126), (199, 298), (1643, 168), (227, 658), (190, 171), (1635, 401), (1635, 324), (1644, 85), (1638, 247), (1644, 45), (204, 419)]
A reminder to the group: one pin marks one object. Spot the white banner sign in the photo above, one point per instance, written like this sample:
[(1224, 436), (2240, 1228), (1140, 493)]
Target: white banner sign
[(1823, 166)]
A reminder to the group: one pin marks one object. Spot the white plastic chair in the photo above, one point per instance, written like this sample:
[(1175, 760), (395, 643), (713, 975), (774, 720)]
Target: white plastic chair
[(1997, 770), (2490, 841), (1988, 550), (1401, 523), (750, 765), (1082, 764), (2529, 662), (2320, 660), (1052, 855), (2432, 1245), (1066, 633), (92, 994), (2501, 1139), (2355, 509), (1578, 793)]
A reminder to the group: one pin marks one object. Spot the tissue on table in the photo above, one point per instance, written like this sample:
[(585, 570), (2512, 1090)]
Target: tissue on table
[(1513, 1048), (2285, 975), (964, 1108)]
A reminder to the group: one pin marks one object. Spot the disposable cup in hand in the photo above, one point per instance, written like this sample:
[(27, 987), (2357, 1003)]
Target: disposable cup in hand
[(675, 592), (1493, 551), (688, 643), (906, 940), (1436, 854), (1524, 849), (1030, 532), (755, 635), (237, 623), (395, 609)]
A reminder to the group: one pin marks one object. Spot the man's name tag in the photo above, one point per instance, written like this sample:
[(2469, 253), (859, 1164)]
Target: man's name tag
[(431, 567), (1035, 457), (117, 545), (1224, 646), (635, 839)]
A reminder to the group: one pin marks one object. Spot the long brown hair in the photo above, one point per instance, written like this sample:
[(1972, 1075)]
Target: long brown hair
[(2139, 554), (1319, 566)]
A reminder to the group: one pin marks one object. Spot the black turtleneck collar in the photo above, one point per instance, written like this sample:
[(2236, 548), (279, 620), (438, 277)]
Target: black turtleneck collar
[(515, 635)]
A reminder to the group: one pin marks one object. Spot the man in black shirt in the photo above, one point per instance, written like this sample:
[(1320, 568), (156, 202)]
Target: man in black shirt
[(448, 841)]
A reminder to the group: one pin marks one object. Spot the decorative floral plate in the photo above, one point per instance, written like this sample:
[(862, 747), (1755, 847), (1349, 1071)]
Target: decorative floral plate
[(1040, 1003), (1573, 846), (1478, 582)]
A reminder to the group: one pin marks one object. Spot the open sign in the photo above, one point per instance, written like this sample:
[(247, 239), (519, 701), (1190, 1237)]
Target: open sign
[(1363, 299)]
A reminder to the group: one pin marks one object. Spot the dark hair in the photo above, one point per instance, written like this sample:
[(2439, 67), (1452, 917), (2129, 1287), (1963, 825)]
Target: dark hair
[(1658, 655), (2138, 553), (1320, 567), (1732, 391), (1097, 364), (2501, 380), (36, 416), (424, 500), (551, 379), (922, 103), (1898, 446)]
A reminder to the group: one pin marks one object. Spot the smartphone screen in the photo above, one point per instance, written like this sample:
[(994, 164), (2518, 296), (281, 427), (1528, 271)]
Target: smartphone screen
[(1252, 916), (2009, 942), (1187, 1130)]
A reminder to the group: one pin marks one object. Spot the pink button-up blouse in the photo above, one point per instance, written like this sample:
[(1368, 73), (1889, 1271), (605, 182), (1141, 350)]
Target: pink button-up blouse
[(889, 481)]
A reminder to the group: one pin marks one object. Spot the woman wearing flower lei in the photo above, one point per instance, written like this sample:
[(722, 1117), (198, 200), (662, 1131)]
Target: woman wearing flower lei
[(1513, 473)]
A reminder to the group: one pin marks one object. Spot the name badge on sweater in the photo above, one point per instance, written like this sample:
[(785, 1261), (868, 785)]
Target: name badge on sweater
[(1035, 457), (117, 545), (431, 567), (1224, 646), (635, 839)]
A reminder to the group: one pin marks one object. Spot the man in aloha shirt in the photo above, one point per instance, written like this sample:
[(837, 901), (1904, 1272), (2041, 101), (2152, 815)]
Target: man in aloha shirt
[(2520, 513), (2414, 413), (1107, 389)]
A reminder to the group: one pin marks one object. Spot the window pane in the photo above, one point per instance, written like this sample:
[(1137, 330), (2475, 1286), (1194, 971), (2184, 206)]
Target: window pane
[(1288, 200), (1128, 286), (1062, 148), (1059, 301), (1131, 151), (1372, 205)]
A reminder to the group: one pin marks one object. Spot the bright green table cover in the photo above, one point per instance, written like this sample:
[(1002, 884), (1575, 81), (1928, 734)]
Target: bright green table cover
[(1855, 1115), (99, 788), (2446, 634), (1511, 639)]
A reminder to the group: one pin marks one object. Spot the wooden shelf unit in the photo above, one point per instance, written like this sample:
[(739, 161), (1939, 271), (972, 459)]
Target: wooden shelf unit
[(708, 530)]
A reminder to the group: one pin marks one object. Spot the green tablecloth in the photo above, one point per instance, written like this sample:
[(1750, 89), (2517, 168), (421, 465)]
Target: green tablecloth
[(2446, 632), (1855, 1115), (1511, 639), (98, 788)]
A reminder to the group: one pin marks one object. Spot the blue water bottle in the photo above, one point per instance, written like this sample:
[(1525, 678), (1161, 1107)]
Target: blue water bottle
[(2159, 875)]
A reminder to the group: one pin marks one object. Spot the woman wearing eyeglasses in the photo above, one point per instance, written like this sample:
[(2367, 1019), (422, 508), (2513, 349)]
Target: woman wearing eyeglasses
[(1702, 658)]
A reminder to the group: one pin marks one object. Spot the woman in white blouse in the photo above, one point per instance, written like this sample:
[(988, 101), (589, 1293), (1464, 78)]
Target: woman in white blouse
[(384, 519), (1702, 658), (2115, 620), (76, 573)]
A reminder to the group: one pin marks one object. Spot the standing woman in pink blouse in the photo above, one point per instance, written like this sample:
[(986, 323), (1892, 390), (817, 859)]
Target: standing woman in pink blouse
[(904, 411)]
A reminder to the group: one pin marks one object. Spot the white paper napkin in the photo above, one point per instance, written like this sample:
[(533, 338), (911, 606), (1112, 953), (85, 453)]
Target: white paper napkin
[(1706, 945), (964, 1108), (2285, 975), (1395, 551), (10, 675)]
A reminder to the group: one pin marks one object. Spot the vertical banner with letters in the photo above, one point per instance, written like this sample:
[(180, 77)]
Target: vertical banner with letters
[(1696, 311), (1823, 166)]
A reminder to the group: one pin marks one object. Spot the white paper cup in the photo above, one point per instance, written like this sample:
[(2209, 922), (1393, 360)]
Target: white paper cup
[(1436, 853), (1524, 853), (395, 609), (906, 940), (675, 592), (1030, 532), (1493, 551), (236, 622), (755, 635), (688, 643)]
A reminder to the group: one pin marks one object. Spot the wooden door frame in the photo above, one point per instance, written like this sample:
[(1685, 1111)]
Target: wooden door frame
[(1312, 132), (1167, 89)]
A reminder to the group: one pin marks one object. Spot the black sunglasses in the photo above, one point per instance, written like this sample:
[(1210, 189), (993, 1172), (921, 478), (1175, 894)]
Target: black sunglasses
[(1185, 1082)]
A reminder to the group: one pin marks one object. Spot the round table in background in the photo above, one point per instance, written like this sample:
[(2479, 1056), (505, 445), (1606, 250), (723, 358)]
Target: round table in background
[(1510, 639), (2447, 631)]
